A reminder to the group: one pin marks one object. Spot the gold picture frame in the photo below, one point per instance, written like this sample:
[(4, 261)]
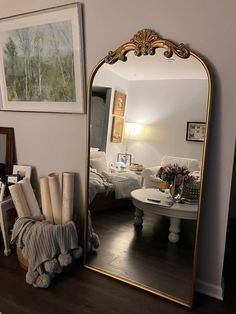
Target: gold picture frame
[(119, 104), (117, 129)]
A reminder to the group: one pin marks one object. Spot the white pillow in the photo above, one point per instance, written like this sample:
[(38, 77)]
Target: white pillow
[(99, 164), (94, 149), (97, 154)]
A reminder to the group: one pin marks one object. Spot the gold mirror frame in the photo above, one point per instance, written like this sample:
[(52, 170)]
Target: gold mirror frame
[(145, 42)]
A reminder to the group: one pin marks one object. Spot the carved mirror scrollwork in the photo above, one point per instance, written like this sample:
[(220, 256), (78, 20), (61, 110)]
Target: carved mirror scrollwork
[(6, 147), (148, 234), (145, 42)]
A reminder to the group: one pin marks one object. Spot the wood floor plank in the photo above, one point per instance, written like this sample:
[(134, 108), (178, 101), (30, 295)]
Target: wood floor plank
[(82, 291), (145, 255)]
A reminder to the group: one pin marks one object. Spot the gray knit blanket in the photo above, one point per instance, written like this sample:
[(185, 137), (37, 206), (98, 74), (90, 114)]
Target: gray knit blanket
[(41, 241)]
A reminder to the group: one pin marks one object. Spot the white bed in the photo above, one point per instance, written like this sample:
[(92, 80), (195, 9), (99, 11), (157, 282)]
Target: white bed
[(101, 179)]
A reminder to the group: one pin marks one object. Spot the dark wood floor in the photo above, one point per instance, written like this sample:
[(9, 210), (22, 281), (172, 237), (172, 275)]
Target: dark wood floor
[(83, 291), (145, 255)]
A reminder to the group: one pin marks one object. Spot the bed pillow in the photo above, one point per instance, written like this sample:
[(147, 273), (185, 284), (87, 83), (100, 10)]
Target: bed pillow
[(94, 149), (97, 154), (99, 164)]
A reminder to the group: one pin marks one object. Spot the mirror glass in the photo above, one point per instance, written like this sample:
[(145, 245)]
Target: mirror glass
[(148, 116)]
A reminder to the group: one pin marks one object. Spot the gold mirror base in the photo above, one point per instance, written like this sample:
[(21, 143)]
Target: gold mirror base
[(143, 287)]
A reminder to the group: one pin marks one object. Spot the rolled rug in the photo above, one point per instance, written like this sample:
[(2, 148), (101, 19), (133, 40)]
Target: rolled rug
[(46, 199), (67, 196), (19, 200), (55, 195), (30, 197)]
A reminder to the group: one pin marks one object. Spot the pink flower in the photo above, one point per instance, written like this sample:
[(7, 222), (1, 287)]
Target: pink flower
[(173, 170)]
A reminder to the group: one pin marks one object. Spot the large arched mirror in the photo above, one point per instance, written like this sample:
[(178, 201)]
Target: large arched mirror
[(149, 106)]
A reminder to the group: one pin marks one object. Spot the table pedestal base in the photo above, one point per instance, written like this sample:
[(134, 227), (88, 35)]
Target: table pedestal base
[(138, 217), (174, 229), (174, 225)]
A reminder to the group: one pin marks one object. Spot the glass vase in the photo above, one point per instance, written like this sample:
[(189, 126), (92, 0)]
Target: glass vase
[(176, 191)]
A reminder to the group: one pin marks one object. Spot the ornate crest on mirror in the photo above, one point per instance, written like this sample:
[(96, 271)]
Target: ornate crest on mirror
[(145, 190)]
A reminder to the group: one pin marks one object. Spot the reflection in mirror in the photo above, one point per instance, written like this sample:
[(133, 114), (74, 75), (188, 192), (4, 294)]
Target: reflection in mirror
[(145, 176), (6, 149)]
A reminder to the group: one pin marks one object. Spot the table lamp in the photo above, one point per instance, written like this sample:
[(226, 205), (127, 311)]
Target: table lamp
[(133, 131)]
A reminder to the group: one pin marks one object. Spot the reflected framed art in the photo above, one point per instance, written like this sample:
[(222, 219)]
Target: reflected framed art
[(119, 104), (124, 158), (196, 131), (117, 129)]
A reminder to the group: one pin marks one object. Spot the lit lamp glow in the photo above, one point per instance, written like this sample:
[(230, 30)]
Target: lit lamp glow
[(133, 131)]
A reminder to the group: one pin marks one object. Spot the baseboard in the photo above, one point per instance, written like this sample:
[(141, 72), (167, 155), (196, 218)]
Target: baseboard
[(211, 290)]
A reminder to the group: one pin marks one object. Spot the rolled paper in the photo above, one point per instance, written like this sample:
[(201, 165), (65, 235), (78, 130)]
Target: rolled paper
[(19, 200), (2, 190), (55, 195), (30, 197), (67, 196), (45, 199)]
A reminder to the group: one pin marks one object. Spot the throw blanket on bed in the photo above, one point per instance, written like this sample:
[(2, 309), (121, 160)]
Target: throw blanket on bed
[(98, 184), (124, 183), (41, 241)]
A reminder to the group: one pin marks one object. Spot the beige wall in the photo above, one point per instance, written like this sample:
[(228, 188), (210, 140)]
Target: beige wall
[(57, 141)]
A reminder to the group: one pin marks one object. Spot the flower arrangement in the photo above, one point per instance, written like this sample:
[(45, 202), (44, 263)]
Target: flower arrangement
[(171, 173), (181, 183)]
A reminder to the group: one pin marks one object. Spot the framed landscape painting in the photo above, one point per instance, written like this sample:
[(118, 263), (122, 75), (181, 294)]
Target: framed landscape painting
[(41, 61)]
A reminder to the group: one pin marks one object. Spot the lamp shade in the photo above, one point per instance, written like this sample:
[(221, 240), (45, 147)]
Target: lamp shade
[(134, 131)]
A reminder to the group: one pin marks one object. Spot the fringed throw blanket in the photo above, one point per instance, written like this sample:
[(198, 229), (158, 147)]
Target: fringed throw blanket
[(47, 247)]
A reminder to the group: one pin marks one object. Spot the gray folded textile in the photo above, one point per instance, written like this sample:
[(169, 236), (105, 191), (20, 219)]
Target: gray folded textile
[(41, 241)]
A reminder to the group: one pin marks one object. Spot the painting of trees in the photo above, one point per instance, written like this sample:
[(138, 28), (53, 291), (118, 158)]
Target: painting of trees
[(39, 63)]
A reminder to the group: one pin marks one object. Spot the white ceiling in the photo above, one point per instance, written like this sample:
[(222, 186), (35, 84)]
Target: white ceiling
[(158, 67)]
